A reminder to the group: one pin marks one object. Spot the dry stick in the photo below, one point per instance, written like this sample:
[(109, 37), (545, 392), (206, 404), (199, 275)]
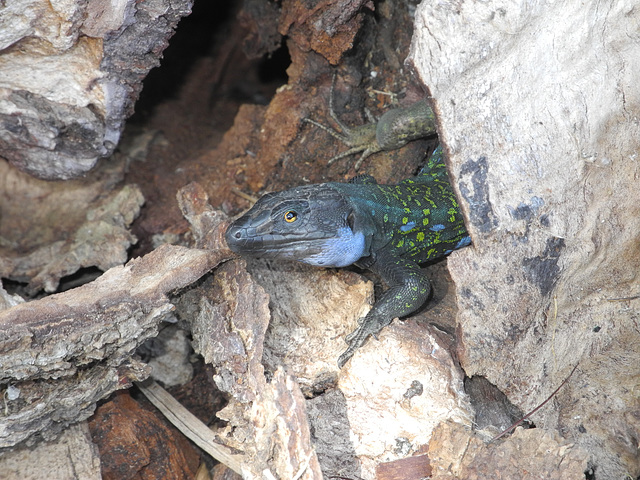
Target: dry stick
[(512, 427), (623, 299), (189, 425), (249, 198)]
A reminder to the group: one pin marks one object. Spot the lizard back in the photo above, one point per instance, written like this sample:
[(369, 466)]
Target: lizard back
[(417, 218)]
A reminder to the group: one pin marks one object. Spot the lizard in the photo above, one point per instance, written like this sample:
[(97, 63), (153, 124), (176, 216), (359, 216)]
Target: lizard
[(387, 229)]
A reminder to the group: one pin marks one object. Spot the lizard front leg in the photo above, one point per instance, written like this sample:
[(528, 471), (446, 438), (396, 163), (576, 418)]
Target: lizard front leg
[(408, 289)]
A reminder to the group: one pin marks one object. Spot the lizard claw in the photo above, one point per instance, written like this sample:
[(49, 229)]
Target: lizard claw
[(369, 326)]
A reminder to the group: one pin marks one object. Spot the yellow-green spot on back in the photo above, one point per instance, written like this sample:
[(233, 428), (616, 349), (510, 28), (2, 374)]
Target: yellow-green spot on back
[(425, 221), (405, 220), (420, 236)]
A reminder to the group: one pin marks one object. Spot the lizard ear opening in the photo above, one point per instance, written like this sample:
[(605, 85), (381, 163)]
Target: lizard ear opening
[(351, 221)]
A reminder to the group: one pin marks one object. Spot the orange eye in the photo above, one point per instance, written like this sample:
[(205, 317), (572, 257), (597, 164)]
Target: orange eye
[(290, 216)]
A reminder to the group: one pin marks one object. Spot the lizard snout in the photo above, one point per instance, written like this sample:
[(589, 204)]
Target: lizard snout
[(246, 231), (235, 237)]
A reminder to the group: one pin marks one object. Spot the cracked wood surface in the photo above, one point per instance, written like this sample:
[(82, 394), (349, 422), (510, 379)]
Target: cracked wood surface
[(73, 348)]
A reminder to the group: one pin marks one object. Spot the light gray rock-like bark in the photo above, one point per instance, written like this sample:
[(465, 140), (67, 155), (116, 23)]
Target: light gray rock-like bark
[(538, 104), (50, 230), (70, 73), (70, 457)]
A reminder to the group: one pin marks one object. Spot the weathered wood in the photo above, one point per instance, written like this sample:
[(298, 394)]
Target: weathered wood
[(135, 442), (327, 27), (71, 72), (416, 467), (538, 108), (66, 351), (267, 420), (50, 230), (455, 452)]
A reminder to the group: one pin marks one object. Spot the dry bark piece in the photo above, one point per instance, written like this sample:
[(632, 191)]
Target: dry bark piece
[(74, 347), (222, 472), (281, 442), (456, 453), (416, 467), (42, 409), (208, 226), (71, 74), (312, 310), (7, 300), (538, 116), (267, 420), (327, 27), (64, 226)]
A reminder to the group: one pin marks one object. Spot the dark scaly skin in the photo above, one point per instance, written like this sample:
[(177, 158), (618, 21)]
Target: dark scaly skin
[(388, 229), (426, 200)]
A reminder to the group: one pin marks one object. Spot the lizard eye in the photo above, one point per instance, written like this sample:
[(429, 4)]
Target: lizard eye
[(290, 216)]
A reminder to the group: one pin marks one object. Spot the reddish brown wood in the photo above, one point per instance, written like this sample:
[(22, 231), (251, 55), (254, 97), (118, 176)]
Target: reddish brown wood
[(409, 468), (137, 443)]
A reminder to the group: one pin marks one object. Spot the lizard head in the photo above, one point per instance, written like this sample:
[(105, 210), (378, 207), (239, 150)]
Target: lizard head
[(313, 224)]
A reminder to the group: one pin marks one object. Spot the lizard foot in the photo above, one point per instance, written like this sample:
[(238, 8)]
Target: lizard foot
[(369, 326), (393, 130), (358, 139)]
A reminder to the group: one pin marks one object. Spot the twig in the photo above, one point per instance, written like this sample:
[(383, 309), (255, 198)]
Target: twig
[(512, 427), (623, 299), (189, 425), (241, 194)]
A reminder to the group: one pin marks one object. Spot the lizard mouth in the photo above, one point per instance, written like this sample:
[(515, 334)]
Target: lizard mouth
[(341, 248), (246, 241)]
